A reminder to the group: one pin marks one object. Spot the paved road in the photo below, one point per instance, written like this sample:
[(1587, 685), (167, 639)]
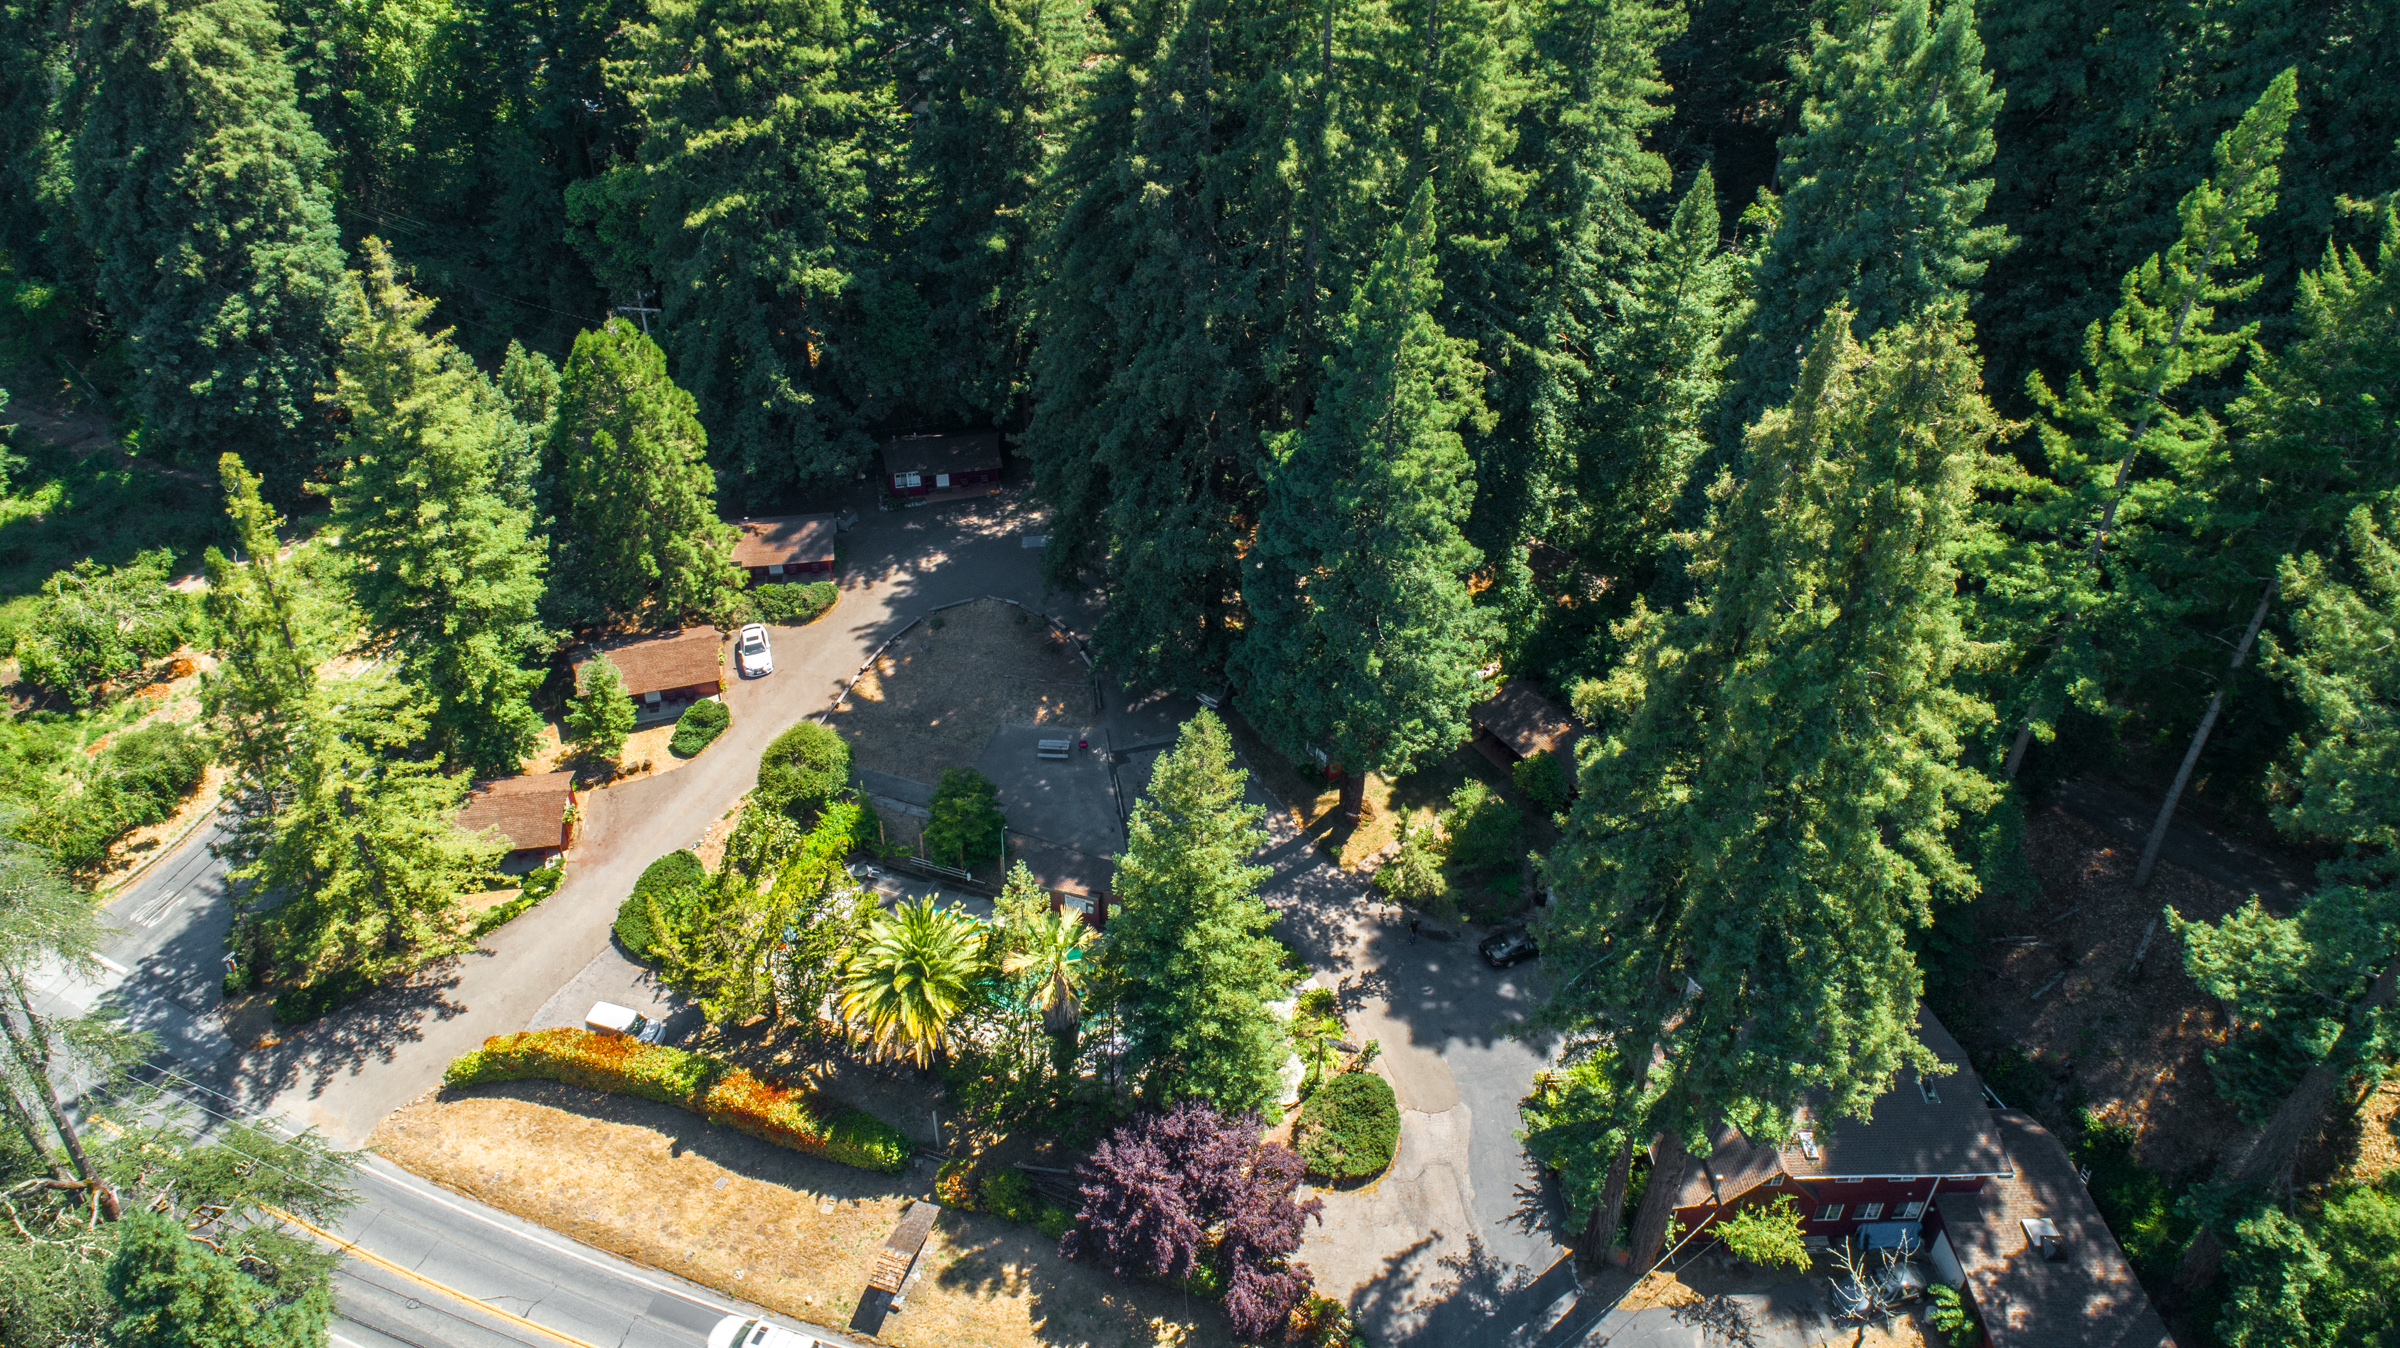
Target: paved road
[(342, 1075)]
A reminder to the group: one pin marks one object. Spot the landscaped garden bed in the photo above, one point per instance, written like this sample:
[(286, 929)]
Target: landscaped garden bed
[(707, 1086)]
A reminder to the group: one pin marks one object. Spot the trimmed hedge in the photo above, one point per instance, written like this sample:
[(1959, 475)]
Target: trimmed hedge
[(1349, 1127), (670, 883), (803, 768), (710, 1087), (699, 727), (791, 605)]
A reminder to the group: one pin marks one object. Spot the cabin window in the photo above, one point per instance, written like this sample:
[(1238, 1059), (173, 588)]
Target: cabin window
[(941, 481), (1911, 1210), (1831, 1212), (1868, 1212), (905, 480)]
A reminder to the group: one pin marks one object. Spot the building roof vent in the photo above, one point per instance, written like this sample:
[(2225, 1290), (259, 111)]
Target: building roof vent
[(1926, 1089), (2041, 1236), (1808, 1144)]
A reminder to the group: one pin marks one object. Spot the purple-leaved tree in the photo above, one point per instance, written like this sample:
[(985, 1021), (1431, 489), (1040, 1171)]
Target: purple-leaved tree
[(1155, 1189)]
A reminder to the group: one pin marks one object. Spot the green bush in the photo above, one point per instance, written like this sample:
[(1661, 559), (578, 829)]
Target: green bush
[(789, 605), (803, 768), (138, 781), (966, 827), (96, 624), (667, 891), (2138, 1203), (1349, 1127), (294, 1005), (1485, 831), (1545, 780), (699, 727), (537, 885), (1953, 1317), (543, 881), (1009, 1196)]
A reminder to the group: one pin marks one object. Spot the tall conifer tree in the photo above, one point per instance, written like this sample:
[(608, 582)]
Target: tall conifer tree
[(1880, 196), (200, 185), (990, 88), (1539, 293), (453, 572), (757, 133), (1153, 388), (2073, 593), (638, 536), (1363, 639), (1648, 415), (1764, 822), (270, 630), (1188, 941)]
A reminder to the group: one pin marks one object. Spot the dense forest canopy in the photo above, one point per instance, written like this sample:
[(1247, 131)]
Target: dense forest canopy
[(1867, 413)]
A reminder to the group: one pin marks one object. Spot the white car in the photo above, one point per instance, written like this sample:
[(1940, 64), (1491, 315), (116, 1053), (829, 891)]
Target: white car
[(752, 653), (737, 1331)]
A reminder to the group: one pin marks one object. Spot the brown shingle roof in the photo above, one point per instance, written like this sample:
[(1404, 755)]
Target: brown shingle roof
[(1062, 870), (1524, 720), (1904, 1135), (2090, 1298), (962, 453), (781, 540), (528, 811), (657, 664)]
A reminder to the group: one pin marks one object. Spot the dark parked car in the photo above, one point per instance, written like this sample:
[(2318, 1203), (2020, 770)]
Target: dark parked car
[(1513, 945)]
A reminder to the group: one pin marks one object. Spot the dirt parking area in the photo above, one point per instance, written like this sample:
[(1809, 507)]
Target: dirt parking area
[(933, 699), (787, 1231)]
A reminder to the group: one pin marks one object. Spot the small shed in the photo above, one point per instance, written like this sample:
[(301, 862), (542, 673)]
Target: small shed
[(673, 667), (1516, 723), (776, 548), (941, 463), (1077, 881), (536, 814)]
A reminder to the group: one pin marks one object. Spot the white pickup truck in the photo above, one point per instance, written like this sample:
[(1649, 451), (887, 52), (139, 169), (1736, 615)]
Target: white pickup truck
[(610, 1018), (735, 1331)]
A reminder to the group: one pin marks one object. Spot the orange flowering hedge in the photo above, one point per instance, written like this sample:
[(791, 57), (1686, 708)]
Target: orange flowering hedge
[(710, 1087)]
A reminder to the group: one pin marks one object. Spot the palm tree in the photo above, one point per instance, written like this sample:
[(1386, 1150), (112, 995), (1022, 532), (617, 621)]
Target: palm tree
[(1047, 951), (915, 969)]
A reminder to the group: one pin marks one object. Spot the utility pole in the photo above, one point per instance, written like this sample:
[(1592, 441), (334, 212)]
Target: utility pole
[(641, 310)]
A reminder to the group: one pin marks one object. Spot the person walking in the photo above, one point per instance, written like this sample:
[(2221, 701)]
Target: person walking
[(1412, 929)]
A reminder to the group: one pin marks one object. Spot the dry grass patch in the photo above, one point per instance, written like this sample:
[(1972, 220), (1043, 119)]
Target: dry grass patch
[(933, 699), (795, 1234)]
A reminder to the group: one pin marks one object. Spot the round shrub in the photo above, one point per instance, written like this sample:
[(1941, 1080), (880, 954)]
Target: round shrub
[(791, 605), (1349, 1127), (542, 882), (803, 768), (698, 727), (669, 887)]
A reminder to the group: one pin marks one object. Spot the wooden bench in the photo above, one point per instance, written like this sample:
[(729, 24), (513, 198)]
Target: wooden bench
[(1054, 748), (899, 1251)]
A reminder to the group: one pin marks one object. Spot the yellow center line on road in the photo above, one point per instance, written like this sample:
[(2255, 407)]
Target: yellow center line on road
[(420, 1280)]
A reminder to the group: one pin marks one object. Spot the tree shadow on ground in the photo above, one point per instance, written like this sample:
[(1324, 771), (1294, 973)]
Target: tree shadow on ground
[(1068, 1303), (345, 1040), (1465, 1297), (1720, 1319)]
